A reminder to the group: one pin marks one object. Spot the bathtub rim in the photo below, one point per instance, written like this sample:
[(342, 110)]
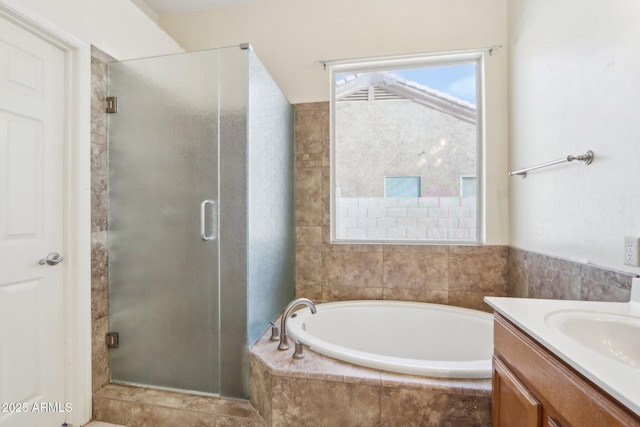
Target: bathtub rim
[(468, 369)]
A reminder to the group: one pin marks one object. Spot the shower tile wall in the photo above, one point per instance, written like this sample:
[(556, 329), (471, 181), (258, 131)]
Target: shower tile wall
[(99, 198), (455, 275)]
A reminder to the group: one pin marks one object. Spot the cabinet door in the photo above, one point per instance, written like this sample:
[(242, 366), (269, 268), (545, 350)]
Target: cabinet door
[(512, 404), (552, 422)]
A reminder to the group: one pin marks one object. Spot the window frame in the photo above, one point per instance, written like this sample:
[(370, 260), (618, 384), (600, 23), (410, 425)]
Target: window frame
[(412, 61)]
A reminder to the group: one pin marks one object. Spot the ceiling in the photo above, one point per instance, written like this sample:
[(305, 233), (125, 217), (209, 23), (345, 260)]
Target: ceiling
[(164, 7)]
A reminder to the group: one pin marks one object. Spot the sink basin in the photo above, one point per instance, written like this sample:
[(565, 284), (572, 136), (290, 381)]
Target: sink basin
[(611, 335)]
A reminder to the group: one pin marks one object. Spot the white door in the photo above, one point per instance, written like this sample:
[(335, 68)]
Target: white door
[(32, 389)]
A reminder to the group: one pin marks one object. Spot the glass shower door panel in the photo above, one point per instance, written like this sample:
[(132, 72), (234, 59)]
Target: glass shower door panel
[(163, 246)]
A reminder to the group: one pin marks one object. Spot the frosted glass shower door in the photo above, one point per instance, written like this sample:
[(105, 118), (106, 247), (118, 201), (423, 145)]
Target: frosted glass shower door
[(163, 246)]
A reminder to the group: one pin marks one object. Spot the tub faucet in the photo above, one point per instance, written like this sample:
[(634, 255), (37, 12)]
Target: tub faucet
[(284, 342)]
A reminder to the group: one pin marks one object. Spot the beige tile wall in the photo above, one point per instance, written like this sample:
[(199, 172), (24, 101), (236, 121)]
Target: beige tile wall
[(534, 275), (99, 199), (455, 275)]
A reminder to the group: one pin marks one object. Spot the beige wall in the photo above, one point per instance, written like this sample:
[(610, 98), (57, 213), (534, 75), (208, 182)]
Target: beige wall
[(575, 78), (117, 27), (290, 35)]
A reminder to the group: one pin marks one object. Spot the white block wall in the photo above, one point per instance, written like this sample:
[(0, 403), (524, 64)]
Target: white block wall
[(406, 218)]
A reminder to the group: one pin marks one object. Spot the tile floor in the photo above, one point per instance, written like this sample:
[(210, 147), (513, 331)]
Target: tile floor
[(141, 407)]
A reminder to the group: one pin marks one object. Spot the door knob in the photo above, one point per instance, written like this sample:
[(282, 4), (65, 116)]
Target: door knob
[(53, 258)]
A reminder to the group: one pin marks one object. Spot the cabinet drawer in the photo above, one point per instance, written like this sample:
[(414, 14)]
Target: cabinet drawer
[(568, 397)]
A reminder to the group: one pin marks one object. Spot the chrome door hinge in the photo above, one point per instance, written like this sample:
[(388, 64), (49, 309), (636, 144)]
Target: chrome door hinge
[(112, 104), (113, 340)]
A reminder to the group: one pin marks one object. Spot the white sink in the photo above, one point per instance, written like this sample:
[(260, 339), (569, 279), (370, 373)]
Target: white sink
[(612, 335)]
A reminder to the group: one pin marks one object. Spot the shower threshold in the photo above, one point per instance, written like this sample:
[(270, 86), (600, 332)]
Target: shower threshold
[(131, 406)]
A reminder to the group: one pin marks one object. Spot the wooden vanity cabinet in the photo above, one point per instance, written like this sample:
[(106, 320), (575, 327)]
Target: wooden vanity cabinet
[(533, 388)]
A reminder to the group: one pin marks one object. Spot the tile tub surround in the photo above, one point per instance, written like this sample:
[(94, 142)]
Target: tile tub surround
[(455, 275), (140, 407), (318, 390)]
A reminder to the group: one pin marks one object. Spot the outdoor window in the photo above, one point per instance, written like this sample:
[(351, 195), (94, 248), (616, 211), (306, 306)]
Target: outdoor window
[(468, 184), (405, 150), (402, 186)]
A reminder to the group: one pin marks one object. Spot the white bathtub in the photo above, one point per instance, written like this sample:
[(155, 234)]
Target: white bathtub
[(406, 337)]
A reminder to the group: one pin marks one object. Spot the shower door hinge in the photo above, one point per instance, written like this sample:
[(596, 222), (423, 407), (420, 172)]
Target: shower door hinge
[(112, 104), (113, 340)]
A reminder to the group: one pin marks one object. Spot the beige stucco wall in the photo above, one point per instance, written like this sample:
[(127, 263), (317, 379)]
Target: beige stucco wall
[(417, 141)]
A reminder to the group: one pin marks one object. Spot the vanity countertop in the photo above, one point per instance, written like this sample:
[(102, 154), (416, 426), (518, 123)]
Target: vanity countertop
[(617, 373)]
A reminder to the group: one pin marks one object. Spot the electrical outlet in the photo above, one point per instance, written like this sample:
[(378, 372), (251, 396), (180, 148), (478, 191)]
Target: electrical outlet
[(631, 246)]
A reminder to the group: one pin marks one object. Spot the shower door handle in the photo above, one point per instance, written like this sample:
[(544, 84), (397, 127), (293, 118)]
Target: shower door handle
[(203, 220)]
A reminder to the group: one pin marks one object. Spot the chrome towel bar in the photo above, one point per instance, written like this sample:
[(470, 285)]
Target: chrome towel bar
[(585, 158)]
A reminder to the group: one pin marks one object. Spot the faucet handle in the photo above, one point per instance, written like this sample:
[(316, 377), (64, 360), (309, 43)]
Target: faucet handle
[(299, 352), (275, 332)]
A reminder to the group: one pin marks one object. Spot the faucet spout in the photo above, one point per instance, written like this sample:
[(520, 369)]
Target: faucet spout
[(284, 342)]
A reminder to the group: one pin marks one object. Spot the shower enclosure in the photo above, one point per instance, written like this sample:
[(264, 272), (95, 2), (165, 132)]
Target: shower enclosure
[(201, 236)]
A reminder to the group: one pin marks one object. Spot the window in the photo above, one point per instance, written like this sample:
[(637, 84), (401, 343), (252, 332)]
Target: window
[(402, 186), (468, 184), (405, 150)]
